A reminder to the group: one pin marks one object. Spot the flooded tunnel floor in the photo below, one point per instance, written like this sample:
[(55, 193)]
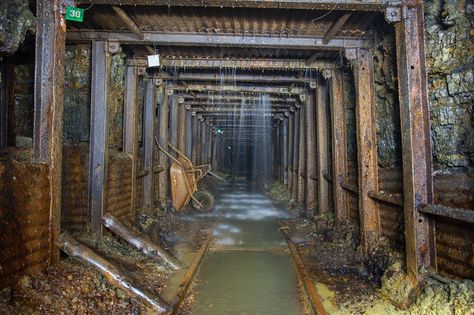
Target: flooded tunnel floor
[(247, 269)]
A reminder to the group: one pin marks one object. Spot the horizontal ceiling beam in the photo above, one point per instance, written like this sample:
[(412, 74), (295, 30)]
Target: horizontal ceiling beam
[(221, 77), (238, 88), (219, 40), (244, 64), (360, 5), (237, 112), (234, 98), (236, 106)]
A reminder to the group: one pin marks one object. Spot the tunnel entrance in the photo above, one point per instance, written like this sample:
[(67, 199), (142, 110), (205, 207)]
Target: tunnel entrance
[(236, 157)]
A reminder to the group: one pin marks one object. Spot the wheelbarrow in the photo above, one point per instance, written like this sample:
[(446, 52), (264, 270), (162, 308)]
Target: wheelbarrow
[(184, 179)]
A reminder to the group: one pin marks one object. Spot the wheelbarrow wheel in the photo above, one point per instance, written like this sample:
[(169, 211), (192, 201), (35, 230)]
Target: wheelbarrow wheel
[(206, 198)]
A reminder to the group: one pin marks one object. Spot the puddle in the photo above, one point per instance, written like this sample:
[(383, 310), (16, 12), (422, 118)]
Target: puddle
[(246, 270)]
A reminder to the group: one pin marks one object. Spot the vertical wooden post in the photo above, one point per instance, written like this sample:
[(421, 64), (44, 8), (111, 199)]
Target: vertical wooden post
[(49, 106), (194, 140), (210, 143), (285, 149), (311, 169), (203, 143), (296, 142), (198, 140), (3, 104), (163, 139), (291, 132), (174, 120), (188, 134), (181, 126), (149, 141), (339, 146), (322, 145), (366, 149), (302, 156), (130, 128), (415, 125), (98, 152)]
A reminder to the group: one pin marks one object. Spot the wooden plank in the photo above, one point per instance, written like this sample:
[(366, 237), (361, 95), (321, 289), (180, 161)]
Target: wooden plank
[(322, 138), (416, 147), (296, 142), (163, 139), (393, 199), (49, 106), (194, 139), (291, 121), (99, 148), (366, 149), (339, 146), (464, 215), (174, 120), (182, 127), (130, 127), (285, 129), (188, 134), (149, 118), (129, 23)]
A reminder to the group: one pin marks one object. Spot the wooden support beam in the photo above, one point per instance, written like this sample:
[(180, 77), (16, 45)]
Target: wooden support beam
[(140, 241), (285, 128), (296, 156), (125, 18), (312, 58), (464, 215), (390, 198), (49, 107), (311, 171), (322, 158), (194, 139), (416, 147), (174, 120), (339, 146), (130, 127), (366, 149), (99, 147), (302, 157), (149, 115), (163, 139), (188, 134), (199, 140), (111, 273), (291, 131), (203, 144), (336, 27), (182, 127)]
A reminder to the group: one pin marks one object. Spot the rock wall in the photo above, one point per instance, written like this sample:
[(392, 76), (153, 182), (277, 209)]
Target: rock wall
[(115, 99), (119, 186), (16, 20)]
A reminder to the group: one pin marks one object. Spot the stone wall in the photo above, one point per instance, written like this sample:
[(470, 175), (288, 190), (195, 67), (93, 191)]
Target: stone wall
[(17, 20)]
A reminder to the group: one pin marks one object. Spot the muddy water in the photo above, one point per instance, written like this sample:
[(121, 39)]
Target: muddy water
[(246, 270)]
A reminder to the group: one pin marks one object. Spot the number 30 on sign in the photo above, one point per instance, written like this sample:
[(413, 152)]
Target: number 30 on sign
[(74, 14)]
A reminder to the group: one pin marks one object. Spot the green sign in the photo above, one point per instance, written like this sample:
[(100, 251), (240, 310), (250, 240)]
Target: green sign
[(74, 14)]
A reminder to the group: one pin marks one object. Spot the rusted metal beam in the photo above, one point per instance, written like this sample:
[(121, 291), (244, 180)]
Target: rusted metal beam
[(366, 149), (174, 120), (391, 198), (237, 88), (194, 122), (125, 18), (163, 138), (336, 27), (285, 128), (182, 127), (220, 40), (322, 139), (139, 241), (237, 111), (111, 272), (296, 156), (291, 121), (49, 107), (365, 5), (339, 146), (188, 134), (348, 187), (311, 170), (220, 77), (130, 127), (244, 64), (98, 150), (416, 147), (311, 59), (464, 215), (148, 142), (302, 157)]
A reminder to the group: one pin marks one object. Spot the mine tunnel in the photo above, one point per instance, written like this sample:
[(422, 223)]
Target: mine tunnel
[(236, 157)]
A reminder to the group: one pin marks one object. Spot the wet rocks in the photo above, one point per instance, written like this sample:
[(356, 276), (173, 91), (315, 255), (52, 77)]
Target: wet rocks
[(16, 20)]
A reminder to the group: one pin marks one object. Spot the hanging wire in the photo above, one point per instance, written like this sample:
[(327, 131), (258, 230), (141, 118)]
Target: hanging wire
[(325, 14)]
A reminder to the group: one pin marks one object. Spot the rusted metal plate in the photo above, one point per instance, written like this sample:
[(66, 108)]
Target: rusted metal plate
[(416, 148), (366, 149), (339, 145)]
